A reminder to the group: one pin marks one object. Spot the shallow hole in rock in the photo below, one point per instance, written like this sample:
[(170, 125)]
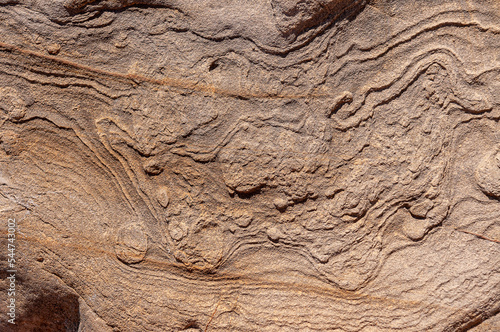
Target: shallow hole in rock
[(213, 66), (249, 194), (191, 326)]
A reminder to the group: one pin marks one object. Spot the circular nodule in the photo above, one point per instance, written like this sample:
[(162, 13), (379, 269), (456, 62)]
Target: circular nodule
[(153, 166), (53, 49), (488, 174), (12, 104), (162, 196), (280, 203), (131, 244), (414, 229), (274, 234), (177, 230)]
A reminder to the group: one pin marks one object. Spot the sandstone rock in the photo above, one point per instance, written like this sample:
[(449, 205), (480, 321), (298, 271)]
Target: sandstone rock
[(284, 165)]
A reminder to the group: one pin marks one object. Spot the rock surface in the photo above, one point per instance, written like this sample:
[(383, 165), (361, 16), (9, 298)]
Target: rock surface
[(236, 165)]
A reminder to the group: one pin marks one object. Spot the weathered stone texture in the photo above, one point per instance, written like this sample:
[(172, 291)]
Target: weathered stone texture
[(237, 165)]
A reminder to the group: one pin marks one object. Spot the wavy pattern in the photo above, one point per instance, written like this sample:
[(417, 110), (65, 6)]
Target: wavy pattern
[(214, 178)]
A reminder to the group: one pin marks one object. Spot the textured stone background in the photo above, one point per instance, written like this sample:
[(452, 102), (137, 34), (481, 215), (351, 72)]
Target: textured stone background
[(238, 165)]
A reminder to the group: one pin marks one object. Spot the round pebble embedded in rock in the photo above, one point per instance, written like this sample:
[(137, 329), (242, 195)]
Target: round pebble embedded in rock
[(162, 196), (12, 104), (488, 174), (131, 244), (274, 234), (280, 203)]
